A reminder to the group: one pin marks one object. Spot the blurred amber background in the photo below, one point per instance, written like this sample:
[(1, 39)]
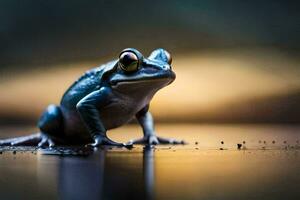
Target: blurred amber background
[(235, 61)]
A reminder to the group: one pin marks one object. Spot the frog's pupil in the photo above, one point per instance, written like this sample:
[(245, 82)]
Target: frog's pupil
[(128, 58)]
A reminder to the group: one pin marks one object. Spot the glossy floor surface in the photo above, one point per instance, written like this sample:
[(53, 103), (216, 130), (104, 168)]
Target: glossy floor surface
[(209, 167)]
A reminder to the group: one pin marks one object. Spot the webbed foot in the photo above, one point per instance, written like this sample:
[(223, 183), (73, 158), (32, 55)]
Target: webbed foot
[(46, 141), (100, 140), (154, 140)]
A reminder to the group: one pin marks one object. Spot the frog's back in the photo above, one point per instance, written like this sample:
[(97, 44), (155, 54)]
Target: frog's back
[(90, 81)]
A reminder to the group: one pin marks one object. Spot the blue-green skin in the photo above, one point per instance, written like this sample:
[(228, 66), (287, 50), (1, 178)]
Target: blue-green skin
[(104, 98)]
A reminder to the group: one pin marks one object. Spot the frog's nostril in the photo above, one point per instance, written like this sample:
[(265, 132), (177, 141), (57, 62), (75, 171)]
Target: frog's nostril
[(166, 67)]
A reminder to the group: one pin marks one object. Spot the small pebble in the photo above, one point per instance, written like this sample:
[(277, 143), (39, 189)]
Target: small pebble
[(259, 141), (197, 148), (196, 143), (14, 152), (284, 142), (222, 142), (244, 142), (221, 149), (273, 141), (265, 142)]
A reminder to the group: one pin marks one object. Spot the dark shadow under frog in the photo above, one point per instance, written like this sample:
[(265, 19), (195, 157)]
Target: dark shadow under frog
[(104, 98)]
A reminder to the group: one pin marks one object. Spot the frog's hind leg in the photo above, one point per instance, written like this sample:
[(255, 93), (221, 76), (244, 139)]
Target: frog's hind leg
[(50, 124)]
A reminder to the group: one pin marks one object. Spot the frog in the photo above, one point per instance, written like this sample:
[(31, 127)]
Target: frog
[(103, 98)]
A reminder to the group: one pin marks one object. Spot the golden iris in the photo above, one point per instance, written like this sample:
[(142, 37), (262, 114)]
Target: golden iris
[(128, 61)]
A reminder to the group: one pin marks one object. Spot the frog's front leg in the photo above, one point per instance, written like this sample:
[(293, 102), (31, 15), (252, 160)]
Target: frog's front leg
[(88, 109), (145, 119)]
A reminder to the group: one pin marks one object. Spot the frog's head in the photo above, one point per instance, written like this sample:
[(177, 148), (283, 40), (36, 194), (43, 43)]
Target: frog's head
[(135, 71)]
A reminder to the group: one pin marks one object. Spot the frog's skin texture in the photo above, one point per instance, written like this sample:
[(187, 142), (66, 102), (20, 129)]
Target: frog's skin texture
[(104, 98)]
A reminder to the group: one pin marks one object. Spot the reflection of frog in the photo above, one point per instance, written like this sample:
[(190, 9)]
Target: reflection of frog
[(103, 98)]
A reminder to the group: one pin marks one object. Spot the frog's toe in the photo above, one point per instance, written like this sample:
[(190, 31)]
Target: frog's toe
[(100, 140), (46, 141), (92, 145), (151, 140), (112, 143), (42, 142), (51, 143), (138, 141), (154, 140), (20, 142), (6, 143), (28, 140)]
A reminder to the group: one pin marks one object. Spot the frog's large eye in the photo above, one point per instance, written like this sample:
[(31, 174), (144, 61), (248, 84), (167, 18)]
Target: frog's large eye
[(128, 61)]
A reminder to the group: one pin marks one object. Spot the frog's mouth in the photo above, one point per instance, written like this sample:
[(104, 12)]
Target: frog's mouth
[(163, 78), (140, 82)]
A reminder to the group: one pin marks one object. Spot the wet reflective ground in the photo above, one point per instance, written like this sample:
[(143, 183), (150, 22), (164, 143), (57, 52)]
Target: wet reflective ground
[(209, 167)]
